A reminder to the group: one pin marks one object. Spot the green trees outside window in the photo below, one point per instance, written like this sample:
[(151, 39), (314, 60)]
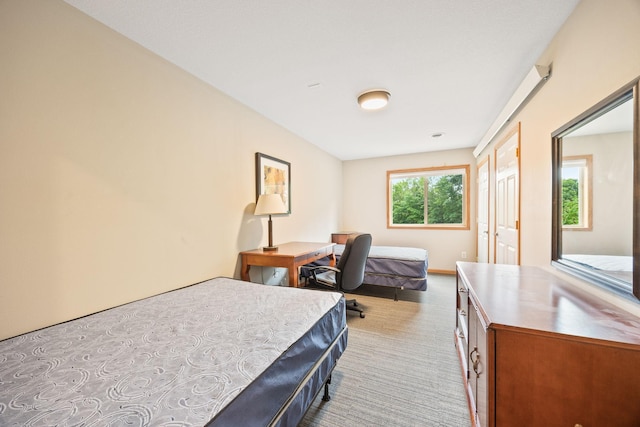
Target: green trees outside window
[(570, 202), (429, 197), (576, 192), (408, 201), (445, 199)]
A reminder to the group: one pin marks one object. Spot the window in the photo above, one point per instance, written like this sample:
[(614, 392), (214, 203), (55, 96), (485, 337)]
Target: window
[(428, 198), (576, 192)]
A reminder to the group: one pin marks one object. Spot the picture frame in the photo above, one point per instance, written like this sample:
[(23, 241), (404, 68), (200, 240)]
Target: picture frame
[(273, 175)]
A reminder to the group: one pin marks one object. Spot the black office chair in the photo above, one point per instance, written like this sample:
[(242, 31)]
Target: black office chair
[(348, 274)]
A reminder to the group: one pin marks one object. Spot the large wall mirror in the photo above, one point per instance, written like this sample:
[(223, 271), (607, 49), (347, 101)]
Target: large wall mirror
[(596, 194)]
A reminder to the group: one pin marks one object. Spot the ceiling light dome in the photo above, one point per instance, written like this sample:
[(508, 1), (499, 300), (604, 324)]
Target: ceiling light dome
[(373, 99)]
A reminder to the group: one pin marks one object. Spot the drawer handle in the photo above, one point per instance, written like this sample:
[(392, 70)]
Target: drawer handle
[(475, 362), (462, 290), (461, 335), (463, 313)]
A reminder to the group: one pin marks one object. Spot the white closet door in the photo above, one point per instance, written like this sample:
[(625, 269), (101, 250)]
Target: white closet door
[(507, 236)]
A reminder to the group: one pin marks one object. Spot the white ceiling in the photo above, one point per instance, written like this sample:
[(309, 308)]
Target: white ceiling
[(450, 65)]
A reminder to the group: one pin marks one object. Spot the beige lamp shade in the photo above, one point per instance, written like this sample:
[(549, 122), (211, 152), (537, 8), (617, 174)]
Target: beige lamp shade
[(269, 204)]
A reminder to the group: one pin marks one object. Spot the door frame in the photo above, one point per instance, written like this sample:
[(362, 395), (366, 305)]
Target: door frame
[(481, 164)]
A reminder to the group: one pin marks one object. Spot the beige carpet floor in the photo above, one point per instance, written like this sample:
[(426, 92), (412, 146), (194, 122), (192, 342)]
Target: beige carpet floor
[(400, 367)]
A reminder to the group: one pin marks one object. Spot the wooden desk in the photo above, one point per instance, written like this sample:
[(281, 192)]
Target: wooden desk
[(290, 255)]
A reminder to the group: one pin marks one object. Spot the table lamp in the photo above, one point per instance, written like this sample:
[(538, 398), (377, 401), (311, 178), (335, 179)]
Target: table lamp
[(269, 204)]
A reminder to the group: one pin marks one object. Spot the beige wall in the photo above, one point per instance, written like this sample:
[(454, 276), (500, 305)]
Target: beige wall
[(594, 54), (365, 206), (122, 176)]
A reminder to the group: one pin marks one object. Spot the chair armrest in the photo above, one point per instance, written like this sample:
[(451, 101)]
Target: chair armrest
[(313, 270)]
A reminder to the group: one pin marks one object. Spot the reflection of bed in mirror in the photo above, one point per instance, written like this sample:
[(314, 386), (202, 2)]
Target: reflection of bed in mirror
[(618, 266)]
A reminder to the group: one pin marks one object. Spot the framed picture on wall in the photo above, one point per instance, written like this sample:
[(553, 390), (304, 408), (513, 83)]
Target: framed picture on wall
[(273, 176)]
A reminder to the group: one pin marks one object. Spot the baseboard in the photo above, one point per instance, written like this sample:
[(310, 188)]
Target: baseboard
[(434, 271)]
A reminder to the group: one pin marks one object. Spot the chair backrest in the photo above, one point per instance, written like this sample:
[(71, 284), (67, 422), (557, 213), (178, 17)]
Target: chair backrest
[(352, 261)]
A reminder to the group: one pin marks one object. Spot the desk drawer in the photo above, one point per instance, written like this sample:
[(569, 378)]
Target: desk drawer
[(320, 253)]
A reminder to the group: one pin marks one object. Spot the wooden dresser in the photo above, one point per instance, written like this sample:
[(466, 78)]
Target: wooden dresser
[(536, 350)]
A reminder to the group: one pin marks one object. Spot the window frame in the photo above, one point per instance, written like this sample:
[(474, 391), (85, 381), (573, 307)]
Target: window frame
[(463, 170)]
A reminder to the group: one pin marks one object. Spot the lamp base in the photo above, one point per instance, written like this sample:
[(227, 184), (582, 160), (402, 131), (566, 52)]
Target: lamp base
[(270, 248)]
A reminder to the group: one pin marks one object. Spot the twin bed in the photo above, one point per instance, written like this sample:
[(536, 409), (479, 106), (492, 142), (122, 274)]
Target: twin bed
[(392, 266), (220, 353)]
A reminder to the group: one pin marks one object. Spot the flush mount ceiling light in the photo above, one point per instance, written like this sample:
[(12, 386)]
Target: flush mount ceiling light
[(373, 99)]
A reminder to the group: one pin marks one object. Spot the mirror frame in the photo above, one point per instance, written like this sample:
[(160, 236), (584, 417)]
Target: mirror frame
[(629, 91)]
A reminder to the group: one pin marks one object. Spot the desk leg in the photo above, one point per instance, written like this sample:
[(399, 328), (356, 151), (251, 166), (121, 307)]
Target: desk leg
[(332, 260), (293, 274), (244, 271)]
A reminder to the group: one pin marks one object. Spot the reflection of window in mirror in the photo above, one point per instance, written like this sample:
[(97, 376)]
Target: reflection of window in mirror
[(576, 192), (594, 218)]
